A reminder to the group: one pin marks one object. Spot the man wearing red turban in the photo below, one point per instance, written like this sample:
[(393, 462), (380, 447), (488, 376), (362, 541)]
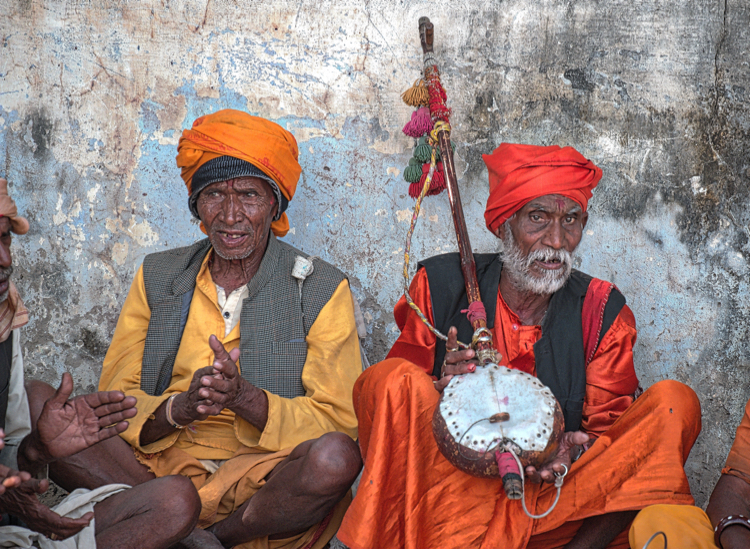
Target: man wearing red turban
[(574, 332), (242, 352)]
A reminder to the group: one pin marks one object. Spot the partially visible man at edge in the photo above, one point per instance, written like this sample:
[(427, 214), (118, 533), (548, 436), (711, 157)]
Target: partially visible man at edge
[(725, 523), (150, 516), (573, 332), (243, 373)]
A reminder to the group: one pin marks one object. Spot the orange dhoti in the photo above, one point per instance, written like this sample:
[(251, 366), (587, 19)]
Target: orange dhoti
[(410, 496)]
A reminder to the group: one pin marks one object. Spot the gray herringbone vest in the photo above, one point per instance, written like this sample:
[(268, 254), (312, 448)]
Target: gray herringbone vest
[(273, 322)]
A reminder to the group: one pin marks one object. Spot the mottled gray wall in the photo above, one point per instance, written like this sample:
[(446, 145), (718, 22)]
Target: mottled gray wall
[(93, 96)]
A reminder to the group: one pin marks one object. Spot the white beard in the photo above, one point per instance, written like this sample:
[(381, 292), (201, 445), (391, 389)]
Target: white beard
[(518, 267)]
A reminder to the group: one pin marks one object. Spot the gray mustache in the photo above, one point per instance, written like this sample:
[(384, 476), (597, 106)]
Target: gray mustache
[(563, 256)]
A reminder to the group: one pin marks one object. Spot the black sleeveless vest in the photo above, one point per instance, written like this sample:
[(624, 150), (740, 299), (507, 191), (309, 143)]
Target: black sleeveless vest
[(559, 353), (6, 357)]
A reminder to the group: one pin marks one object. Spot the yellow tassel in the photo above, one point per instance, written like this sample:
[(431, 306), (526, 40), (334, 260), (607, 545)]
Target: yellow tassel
[(417, 95)]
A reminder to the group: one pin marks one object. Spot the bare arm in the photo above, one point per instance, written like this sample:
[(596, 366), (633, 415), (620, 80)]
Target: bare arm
[(68, 426), (731, 496)]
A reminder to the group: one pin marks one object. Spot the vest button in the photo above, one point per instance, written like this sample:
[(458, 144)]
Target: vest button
[(515, 326), (226, 314)]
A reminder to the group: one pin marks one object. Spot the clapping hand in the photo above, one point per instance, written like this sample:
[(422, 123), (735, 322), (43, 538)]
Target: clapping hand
[(225, 387), (212, 388)]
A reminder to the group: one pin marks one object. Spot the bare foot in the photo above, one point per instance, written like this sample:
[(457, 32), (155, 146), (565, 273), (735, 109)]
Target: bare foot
[(199, 539)]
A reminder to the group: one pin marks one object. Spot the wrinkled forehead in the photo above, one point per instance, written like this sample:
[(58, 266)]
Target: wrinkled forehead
[(243, 183), (553, 203)]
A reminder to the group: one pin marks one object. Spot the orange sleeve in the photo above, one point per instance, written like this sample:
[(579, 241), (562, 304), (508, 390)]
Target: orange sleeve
[(738, 462), (610, 376), (416, 342)]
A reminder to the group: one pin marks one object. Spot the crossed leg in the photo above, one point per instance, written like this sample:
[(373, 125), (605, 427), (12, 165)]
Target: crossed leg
[(153, 514), (298, 494)]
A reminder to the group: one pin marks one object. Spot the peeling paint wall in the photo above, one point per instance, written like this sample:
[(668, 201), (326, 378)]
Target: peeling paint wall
[(93, 96)]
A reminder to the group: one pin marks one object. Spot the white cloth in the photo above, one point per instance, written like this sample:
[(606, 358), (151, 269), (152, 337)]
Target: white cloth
[(77, 504), (17, 417), (231, 306)]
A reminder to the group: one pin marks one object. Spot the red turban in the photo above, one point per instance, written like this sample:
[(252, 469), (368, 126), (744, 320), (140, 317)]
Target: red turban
[(256, 140), (521, 173)]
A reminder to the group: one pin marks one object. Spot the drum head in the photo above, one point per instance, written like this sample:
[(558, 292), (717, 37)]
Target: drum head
[(482, 411)]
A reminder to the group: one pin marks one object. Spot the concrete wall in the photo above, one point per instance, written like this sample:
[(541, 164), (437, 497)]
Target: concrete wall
[(93, 96)]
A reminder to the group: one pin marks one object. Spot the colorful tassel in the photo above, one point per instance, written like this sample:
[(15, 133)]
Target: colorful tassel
[(417, 95), (420, 123), (437, 184), (414, 189), (423, 153), (437, 96), (412, 172)]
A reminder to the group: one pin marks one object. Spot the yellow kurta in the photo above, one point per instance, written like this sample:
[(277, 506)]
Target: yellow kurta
[(332, 366)]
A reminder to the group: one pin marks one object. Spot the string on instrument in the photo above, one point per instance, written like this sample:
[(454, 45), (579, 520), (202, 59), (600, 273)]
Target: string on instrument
[(652, 538), (432, 141), (558, 484), (485, 452), (507, 446)]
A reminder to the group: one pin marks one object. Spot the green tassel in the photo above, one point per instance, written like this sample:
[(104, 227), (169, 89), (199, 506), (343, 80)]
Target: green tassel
[(413, 161), (423, 153), (412, 172)]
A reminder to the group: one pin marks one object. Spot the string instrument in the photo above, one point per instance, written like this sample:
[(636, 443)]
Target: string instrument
[(496, 421)]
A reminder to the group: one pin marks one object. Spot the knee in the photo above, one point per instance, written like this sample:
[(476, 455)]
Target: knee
[(37, 392), (333, 463), (178, 502), (678, 398)]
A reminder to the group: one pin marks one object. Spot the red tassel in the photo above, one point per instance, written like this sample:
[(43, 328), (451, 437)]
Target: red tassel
[(437, 184), (438, 97), (415, 188)]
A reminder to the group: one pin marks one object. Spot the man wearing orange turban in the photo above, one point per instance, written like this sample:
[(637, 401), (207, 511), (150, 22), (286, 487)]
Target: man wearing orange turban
[(574, 332), (242, 352)]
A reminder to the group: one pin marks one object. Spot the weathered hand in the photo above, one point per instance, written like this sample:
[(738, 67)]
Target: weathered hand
[(22, 502), (226, 386), (66, 427), (190, 406), (560, 461), (212, 388), (456, 362)]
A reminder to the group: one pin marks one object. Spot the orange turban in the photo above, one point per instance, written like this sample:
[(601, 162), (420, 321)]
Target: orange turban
[(521, 173), (256, 140)]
